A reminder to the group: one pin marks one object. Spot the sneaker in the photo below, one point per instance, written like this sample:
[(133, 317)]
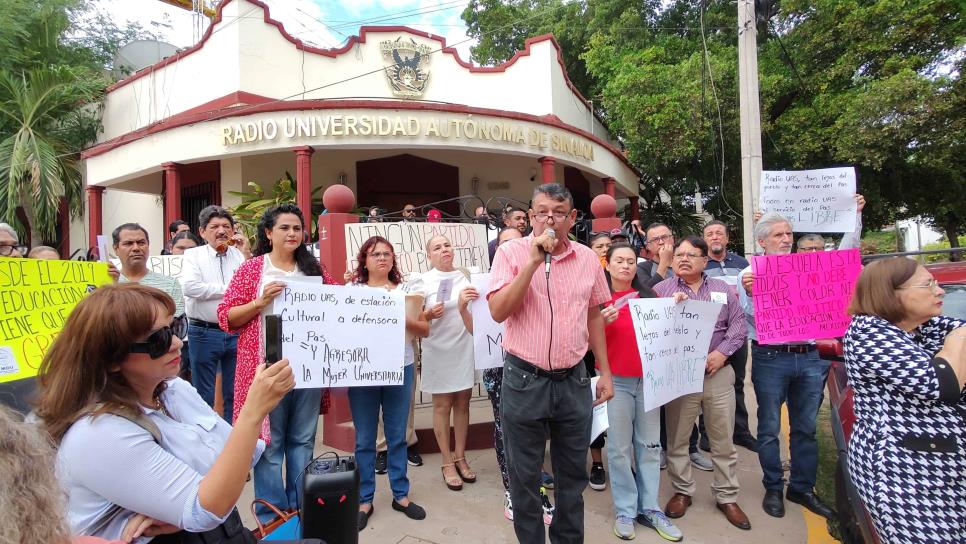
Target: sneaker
[(546, 480), (655, 519), (663, 459), (624, 528), (413, 457), (700, 462), (507, 506), (382, 462), (598, 477), (548, 508)]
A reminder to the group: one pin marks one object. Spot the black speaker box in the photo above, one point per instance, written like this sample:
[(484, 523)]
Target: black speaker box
[(330, 500)]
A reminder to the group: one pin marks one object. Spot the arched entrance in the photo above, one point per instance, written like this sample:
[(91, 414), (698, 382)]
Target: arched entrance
[(393, 182)]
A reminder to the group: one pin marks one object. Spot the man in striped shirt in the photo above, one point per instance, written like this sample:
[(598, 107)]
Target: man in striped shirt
[(131, 245), (551, 313)]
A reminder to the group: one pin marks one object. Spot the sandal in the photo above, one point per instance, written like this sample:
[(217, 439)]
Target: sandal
[(469, 476), (455, 483)]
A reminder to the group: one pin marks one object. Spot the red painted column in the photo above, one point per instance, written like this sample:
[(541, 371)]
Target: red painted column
[(610, 187), (303, 179), (172, 193), (547, 164), (635, 208), (95, 214)]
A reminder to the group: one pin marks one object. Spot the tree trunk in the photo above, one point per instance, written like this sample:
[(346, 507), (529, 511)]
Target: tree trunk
[(36, 239), (952, 230)]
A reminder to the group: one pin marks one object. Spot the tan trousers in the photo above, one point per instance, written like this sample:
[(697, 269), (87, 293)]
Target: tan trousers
[(717, 401)]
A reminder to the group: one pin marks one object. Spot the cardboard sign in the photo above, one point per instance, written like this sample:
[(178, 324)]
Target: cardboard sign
[(409, 243), (166, 265), (487, 334), (803, 296), (673, 340), (335, 336), (35, 299), (813, 200)]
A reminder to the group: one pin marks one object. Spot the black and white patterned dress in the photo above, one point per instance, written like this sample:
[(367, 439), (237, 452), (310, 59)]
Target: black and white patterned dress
[(907, 454)]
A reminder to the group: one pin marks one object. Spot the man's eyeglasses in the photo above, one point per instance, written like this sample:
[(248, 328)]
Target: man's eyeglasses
[(159, 342), (557, 217), (931, 285), (409, 211), (810, 249), (7, 250), (660, 239)]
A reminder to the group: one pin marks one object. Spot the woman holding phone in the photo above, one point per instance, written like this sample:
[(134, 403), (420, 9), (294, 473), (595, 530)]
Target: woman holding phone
[(280, 253)]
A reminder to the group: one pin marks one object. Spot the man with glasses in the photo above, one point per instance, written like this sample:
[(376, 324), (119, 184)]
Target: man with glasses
[(789, 373), (10, 242), (409, 213), (659, 242), (726, 266), (551, 313)]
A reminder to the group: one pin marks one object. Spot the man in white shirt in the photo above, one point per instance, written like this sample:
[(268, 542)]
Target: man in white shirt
[(207, 271)]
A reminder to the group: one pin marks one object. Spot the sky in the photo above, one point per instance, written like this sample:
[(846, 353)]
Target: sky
[(324, 23)]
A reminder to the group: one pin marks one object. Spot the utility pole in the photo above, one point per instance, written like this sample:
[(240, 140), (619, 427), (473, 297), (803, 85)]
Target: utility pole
[(750, 118)]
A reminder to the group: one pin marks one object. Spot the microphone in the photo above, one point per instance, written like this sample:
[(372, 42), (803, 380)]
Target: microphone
[(546, 255)]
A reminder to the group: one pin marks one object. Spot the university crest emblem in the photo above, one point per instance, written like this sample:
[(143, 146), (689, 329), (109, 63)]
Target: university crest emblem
[(407, 72)]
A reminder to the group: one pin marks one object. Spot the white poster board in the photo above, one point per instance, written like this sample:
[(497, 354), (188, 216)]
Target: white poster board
[(336, 336), (673, 340), (409, 243), (487, 334), (166, 265), (813, 200), (599, 423)]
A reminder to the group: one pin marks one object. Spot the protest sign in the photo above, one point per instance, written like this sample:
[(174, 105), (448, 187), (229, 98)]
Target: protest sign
[(36, 297), (166, 265), (673, 340), (487, 334), (803, 296), (599, 422), (409, 243), (813, 200), (335, 336)]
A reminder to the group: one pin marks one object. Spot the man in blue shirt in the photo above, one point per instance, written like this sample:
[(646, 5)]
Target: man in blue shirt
[(726, 266)]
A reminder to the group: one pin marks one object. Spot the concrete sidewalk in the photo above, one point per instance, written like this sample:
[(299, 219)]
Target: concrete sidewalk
[(475, 514)]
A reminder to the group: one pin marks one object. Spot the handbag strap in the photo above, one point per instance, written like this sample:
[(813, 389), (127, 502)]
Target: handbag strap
[(281, 515)]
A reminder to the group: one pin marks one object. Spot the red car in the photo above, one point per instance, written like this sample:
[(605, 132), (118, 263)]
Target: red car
[(855, 524)]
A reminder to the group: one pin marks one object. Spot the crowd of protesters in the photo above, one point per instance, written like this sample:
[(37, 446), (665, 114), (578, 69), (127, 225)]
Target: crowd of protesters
[(140, 452)]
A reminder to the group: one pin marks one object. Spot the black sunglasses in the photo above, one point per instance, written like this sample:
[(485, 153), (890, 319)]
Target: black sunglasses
[(159, 341)]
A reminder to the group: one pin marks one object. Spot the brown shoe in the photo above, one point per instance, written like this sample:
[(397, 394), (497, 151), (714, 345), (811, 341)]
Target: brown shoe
[(734, 514), (677, 506)]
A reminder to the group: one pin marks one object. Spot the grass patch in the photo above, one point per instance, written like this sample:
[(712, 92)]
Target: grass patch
[(827, 460)]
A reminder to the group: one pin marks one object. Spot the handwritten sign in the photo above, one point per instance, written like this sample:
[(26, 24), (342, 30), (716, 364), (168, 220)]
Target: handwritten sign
[(599, 422), (166, 265), (35, 299), (803, 296), (335, 336), (409, 243), (487, 334), (813, 200), (673, 340)]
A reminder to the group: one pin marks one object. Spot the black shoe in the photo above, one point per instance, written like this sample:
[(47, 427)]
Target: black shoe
[(382, 460), (811, 501), (413, 511), (413, 457), (704, 443), (364, 518), (746, 441), (598, 478), (772, 504)]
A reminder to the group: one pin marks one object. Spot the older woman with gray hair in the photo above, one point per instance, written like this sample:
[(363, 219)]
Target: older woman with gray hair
[(10, 245)]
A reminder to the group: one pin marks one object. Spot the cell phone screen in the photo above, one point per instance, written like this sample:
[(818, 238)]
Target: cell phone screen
[(273, 338)]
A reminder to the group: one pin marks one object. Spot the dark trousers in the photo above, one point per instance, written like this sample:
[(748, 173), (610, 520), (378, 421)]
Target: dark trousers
[(739, 362), (212, 349), (533, 407)]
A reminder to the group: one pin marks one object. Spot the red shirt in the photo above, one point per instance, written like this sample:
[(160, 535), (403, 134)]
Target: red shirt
[(625, 360)]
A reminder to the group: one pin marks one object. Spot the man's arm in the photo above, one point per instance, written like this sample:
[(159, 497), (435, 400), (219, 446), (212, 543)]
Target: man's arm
[(507, 301), (852, 240)]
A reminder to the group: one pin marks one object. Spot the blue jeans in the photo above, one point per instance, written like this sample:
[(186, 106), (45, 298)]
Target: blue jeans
[(211, 349), (633, 440), (293, 422), (799, 380), (365, 403)]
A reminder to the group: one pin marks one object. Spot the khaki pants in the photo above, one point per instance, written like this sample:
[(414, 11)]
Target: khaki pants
[(717, 401)]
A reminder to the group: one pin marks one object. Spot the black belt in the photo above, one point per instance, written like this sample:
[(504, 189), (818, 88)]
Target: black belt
[(204, 324), (555, 375), (787, 348)]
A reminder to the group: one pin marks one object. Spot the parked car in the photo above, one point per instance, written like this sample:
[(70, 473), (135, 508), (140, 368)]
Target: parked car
[(855, 524)]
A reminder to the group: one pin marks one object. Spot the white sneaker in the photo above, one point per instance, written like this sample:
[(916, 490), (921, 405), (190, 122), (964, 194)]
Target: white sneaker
[(624, 528), (507, 506), (548, 509), (700, 462), (655, 519)]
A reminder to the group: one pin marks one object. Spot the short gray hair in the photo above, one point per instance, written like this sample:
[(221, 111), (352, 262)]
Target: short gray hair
[(555, 191), (11, 231), (767, 221), (812, 237)]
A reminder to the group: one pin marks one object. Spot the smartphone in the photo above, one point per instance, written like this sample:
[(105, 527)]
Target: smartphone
[(273, 338)]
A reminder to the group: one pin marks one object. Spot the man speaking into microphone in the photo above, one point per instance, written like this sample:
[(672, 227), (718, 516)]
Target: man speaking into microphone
[(547, 290)]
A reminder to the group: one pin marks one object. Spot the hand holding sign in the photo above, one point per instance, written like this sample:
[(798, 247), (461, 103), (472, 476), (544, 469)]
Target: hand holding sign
[(467, 295)]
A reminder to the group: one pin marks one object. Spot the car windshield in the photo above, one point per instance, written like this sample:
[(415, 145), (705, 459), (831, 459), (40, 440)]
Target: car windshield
[(954, 303)]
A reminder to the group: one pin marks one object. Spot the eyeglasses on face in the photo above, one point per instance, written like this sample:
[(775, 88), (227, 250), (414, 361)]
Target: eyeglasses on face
[(810, 249), (932, 284), (543, 217), (380, 255), (7, 250), (660, 239), (159, 342)]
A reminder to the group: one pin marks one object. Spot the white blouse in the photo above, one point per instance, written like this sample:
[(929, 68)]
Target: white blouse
[(111, 468)]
